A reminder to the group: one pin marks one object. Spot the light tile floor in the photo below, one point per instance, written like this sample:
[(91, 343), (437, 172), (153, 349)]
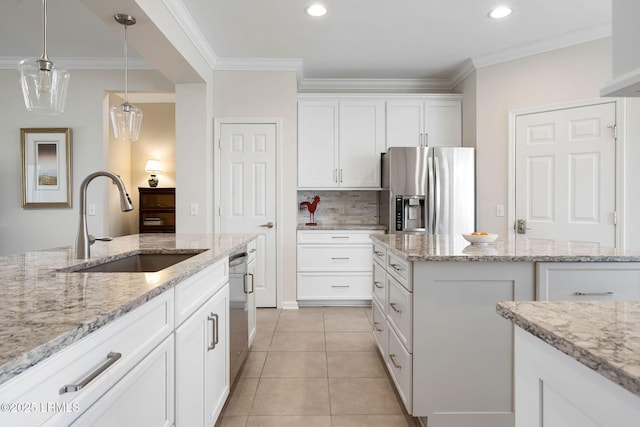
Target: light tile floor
[(316, 367)]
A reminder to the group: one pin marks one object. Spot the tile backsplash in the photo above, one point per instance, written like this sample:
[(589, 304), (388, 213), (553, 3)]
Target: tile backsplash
[(341, 207)]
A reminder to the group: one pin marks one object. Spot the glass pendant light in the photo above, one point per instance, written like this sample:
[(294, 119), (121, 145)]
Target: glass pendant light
[(44, 84), (126, 119)]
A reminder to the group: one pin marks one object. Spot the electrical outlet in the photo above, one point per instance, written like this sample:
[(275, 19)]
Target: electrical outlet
[(499, 210), (91, 209), (194, 209)]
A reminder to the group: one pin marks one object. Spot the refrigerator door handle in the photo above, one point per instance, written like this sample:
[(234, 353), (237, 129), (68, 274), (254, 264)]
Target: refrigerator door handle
[(436, 195), (431, 201)]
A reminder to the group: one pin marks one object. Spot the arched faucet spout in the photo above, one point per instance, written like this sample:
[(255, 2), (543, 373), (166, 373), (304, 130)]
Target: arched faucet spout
[(82, 241)]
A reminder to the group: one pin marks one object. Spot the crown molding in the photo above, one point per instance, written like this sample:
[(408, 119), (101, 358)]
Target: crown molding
[(544, 45), (149, 97), (311, 84), (9, 62), (189, 26), (259, 64)]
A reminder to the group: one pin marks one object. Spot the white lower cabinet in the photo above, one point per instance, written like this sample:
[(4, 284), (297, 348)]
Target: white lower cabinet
[(555, 390), (138, 370), (202, 363), (400, 365), (144, 397), (250, 289), (117, 359), (334, 265), (580, 281)]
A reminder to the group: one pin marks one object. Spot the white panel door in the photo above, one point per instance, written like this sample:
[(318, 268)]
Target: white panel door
[(248, 196), (565, 174), (361, 143)]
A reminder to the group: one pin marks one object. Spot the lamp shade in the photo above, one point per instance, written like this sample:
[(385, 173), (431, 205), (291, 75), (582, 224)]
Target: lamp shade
[(153, 166), (126, 120)]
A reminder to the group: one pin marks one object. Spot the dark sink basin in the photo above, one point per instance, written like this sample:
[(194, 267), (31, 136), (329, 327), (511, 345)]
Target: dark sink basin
[(138, 263)]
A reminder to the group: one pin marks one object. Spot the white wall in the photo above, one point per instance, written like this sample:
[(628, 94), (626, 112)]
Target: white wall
[(269, 94), (29, 229), (568, 74)]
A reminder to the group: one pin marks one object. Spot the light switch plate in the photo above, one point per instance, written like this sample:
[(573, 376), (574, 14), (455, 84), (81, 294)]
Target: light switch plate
[(499, 210), (194, 209)]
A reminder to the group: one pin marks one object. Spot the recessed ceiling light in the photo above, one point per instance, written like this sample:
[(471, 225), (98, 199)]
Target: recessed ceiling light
[(500, 12), (316, 10)]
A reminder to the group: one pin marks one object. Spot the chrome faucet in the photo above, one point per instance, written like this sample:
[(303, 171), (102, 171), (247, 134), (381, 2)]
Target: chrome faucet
[(83, 241)]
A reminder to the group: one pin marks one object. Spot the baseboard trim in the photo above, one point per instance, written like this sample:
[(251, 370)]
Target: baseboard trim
[(289, 305), (335, 303)]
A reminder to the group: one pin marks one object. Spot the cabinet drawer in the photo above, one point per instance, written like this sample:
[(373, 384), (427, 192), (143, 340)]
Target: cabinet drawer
[(334, 258), (380, 254), (334, 286), (379, 285), (581, 281), (400, 366), (380, 329), (152, 378), (336, 236), (194, 291), (132, 336), (400, 269), (399, 311)]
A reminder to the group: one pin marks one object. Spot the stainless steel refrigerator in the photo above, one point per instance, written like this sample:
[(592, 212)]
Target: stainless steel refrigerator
[(428, 190)]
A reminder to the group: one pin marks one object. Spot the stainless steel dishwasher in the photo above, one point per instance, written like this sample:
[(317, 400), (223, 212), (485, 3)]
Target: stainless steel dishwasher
[(238, 312)]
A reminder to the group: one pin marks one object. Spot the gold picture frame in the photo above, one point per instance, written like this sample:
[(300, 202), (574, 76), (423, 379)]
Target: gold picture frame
[(46, 167)]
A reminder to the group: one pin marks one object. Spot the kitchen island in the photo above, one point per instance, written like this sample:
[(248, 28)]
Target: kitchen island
[(576, 363), (48, 310), (449, 354)]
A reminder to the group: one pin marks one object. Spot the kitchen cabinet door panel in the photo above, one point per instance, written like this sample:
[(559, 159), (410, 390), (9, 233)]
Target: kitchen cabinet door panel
[(443, 123), (405, 123), (318, 144), (361, 143)]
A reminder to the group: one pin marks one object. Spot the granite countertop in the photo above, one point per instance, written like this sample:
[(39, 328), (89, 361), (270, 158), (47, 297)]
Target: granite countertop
[(342, 227), (423, 247), (43, 309), (602, 335)]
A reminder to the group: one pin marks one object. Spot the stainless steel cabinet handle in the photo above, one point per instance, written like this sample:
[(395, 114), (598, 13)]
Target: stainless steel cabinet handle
[(252, 251), (267, 225), (214, 331), (396, 267), (378, 285), (392, 357), (111, 359), (340, 286), (339, 237), (592, 294), (335, 175), (393, 305), (339, 258), (375, 324), (378, 253), (340, 175)]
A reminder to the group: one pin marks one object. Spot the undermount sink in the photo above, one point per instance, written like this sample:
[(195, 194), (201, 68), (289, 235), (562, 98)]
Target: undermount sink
[(138, 263)]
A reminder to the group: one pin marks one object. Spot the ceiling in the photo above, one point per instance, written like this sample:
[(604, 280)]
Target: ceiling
[(358, 40)]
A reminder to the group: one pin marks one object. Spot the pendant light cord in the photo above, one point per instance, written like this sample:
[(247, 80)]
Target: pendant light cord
[(44, 31), (126, 67)]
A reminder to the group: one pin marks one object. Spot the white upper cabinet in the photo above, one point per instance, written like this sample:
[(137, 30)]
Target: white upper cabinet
[(421, 122), (339, 143), (361, 143), (317, 144)]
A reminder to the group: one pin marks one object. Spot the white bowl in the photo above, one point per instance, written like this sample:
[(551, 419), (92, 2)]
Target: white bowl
[(478, 239)]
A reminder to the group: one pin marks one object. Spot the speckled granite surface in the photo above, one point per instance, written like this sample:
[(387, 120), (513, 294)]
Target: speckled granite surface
[(43, 309), (342, 227), (602, 335), (422, 247)]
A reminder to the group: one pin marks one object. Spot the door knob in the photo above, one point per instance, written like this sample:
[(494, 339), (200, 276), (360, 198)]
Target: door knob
[(267, 225), (521, 226)]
